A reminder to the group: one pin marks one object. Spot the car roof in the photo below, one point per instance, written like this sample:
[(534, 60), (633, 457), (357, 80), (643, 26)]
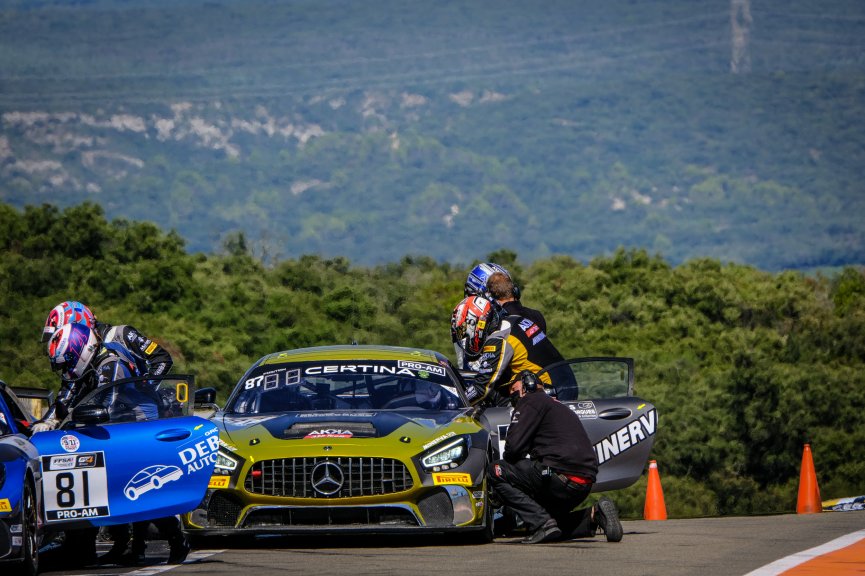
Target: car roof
[(352, 352)]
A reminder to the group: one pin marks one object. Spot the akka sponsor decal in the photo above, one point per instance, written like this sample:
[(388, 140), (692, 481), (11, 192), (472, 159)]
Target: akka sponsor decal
[(5, 506), (422, 367), (70, 443), (452, 478), (435, 441), (330, 433), (585, 410), (627, 436), (219, 482)]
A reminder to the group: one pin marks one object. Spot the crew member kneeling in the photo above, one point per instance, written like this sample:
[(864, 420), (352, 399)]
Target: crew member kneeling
[(558, 474)]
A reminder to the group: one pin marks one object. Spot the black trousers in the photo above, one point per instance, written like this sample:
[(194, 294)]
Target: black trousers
[(537, 497)]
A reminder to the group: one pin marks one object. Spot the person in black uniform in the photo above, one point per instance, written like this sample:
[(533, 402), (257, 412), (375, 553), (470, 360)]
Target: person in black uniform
[(548, 468), (501, 288)]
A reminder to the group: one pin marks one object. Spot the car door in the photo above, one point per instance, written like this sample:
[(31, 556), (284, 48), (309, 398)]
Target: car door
[(621, 426), (130, 451)]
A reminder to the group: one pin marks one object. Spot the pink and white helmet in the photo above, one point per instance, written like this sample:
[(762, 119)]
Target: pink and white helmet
[(72, 349), (69, 312)]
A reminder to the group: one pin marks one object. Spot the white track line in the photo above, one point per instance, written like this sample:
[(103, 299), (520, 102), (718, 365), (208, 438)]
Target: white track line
[(784, 564)]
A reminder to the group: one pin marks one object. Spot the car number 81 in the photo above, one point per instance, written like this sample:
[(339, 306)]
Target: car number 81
[(74, 486)]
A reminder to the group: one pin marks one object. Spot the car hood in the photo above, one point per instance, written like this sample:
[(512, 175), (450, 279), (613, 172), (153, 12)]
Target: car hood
[(420, 425)]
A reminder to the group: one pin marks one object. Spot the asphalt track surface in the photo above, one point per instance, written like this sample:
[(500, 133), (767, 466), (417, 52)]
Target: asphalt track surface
[(705, 547)]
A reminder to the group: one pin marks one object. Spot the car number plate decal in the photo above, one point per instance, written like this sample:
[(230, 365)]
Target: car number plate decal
[(74, 486)]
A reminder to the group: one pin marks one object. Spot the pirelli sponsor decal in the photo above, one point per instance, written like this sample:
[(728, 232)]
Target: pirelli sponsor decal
[(5, 506), (151, 348), (219, 482), (452, 478), (626, 437)]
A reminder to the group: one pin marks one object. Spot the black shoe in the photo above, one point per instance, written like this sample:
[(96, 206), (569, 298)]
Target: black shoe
[(114, 556), (134, 556), (549, 531), (179, 550), (607, 519)]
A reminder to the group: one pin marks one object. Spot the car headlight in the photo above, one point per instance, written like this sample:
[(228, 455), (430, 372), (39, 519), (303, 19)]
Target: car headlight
[(225, 463), (448, 456)]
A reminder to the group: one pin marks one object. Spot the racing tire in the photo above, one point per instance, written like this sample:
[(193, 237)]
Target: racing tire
[(486, 535), (29, 563)]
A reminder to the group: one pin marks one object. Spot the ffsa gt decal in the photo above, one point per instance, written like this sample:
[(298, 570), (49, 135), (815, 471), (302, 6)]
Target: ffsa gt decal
[(151, 478), (627, 436), (74, 489)]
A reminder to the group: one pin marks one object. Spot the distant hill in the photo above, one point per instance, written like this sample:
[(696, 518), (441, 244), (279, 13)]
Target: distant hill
[(371, 130)]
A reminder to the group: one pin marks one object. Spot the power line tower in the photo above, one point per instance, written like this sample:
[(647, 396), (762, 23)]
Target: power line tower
[(740, 26)]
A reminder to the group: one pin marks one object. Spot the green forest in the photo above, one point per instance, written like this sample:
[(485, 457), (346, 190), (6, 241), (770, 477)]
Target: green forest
[(744, 366)]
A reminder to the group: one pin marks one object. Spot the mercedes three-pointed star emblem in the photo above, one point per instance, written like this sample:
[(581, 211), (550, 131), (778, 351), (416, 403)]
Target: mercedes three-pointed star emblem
[(327, 478)]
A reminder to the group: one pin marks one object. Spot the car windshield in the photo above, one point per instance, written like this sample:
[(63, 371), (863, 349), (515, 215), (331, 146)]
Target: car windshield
[(367, 385)]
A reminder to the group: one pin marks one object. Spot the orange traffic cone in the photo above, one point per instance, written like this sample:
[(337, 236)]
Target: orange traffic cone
[(809, 491), (655, 508)]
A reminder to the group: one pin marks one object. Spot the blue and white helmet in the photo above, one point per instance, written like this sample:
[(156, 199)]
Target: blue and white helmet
[(72, 349), (476, 283)]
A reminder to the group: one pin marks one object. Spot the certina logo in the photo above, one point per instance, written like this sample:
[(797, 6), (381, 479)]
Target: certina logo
[(327, 478), (357, 369), (626, 437)]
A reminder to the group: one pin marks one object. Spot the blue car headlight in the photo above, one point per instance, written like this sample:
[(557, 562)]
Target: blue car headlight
[(446, 456)]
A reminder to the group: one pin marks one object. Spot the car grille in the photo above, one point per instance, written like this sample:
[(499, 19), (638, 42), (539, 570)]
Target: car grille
[(347, 477), (331, 516), (222, 510)]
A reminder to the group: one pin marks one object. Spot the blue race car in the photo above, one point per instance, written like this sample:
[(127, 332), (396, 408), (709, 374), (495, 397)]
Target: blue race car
[(79, 475)]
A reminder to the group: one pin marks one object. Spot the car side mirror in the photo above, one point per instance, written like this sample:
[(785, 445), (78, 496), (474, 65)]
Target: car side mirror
[(205, 396), (90, 414)]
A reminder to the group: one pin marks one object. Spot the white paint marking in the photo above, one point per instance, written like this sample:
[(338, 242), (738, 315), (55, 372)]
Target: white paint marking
[(784, 564)]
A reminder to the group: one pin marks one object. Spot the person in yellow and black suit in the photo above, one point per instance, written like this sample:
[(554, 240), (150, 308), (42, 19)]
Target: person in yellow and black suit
[(498, 347)]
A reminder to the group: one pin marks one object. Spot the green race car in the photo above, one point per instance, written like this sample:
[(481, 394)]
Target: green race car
[(348, 438)]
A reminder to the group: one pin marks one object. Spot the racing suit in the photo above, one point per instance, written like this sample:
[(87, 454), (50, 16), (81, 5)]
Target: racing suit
[(560, 469), (520, 344), (151, 358), (516, 308)]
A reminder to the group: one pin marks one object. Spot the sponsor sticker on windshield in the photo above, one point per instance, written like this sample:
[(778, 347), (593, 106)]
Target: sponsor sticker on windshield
[(421, 367)]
